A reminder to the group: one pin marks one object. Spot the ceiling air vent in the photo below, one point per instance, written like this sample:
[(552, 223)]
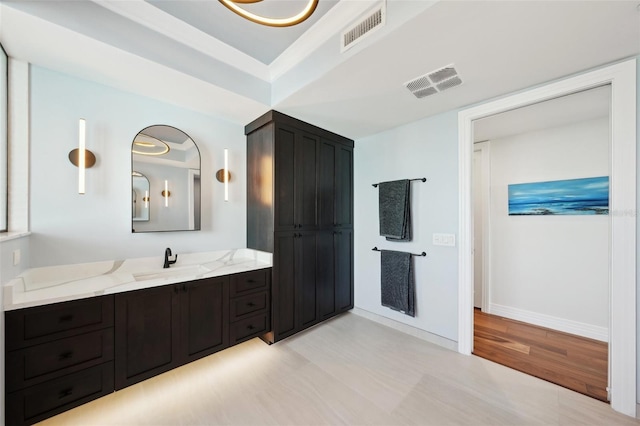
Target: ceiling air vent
[(356, 32), (434, 82)]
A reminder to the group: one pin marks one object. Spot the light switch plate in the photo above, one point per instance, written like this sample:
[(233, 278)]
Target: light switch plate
[(16, 257), (448, 240)]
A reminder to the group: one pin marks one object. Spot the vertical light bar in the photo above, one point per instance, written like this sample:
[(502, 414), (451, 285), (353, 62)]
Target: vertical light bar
[(146, 199), (226, 174), (166, 193), (82, 136)]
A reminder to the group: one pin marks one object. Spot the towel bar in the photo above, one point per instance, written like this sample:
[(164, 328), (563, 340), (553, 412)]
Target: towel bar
[(412, 254), (375, 185)]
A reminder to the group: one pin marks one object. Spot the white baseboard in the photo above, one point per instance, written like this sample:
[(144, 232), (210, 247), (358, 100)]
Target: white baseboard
[(555, 323), (407, 329)]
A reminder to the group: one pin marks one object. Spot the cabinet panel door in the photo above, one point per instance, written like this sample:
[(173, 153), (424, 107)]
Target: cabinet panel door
[(344, 187), (306, 180), (204, 317), (305, 261), (343, 265), (325, 283), (283, 290), (146, 334), (326, 184), (284, 188)]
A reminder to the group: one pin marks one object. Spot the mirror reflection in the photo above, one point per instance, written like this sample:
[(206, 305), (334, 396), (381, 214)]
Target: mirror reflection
[(140, 197), (165, 181)]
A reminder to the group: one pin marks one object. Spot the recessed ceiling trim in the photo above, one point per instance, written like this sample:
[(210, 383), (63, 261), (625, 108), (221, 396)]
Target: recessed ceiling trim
[(156, 19)]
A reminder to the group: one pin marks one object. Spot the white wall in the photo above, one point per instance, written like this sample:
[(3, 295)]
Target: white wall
[(553, 270), (427, 148), (71, 228)]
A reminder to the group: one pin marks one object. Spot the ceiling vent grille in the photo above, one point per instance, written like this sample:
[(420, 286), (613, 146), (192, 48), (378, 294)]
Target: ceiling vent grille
[(434, 82), (364, 27)]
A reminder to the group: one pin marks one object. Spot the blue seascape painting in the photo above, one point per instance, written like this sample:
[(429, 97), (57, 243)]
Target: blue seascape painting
[(561, 197)]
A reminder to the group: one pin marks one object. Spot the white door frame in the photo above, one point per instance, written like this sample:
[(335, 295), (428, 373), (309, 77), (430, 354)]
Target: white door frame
[(622, 210), (485, 157)]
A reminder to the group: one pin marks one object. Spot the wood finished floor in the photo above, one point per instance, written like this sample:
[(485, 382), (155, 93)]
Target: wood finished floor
[(567, 360), (347, 371)]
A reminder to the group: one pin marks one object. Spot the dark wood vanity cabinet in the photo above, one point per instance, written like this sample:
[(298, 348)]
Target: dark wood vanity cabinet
[(62, 355), (160, 328), (249, 305), (57, 357), (300, 208)]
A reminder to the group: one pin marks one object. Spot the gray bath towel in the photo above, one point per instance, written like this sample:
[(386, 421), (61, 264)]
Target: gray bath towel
[(397, 284), (395, 210)]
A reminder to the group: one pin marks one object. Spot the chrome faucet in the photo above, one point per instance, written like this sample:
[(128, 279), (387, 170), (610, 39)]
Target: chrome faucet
[(167, 255)]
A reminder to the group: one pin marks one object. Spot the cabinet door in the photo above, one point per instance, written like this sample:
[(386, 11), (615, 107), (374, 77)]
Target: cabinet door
[(335, 272), (344, 187), (204, 317), (146, 333), (326, 184), (326, 288), (343, 269), (305, 276), (306, 180), (335, 185), (283, 291), (284, 188)]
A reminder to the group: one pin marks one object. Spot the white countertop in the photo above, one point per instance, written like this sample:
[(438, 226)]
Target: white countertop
[(53, 284)]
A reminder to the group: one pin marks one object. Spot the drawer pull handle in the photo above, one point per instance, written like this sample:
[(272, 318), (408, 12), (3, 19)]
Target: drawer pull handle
[(250, 327), (251, 281), (65, 393), (65, 318), (65, 355), (251, 304)]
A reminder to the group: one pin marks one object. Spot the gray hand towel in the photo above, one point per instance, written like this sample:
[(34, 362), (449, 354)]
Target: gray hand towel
[(395, 210), (397, 283)]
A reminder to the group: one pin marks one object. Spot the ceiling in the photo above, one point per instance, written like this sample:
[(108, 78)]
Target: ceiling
[(201, 56), (585, 105)]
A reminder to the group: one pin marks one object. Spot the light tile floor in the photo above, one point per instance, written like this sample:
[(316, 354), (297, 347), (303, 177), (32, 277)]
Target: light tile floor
[(349, 370)]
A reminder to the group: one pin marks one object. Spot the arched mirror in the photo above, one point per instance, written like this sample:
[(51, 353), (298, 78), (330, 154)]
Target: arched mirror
[(165, 181)]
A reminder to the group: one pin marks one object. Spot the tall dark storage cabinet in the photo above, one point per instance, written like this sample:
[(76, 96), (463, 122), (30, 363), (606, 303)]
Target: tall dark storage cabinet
[(300, 208)]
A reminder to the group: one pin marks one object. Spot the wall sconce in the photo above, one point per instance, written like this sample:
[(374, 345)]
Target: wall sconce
[(166, 193), (146, 199), (81, 157), (224, 175)]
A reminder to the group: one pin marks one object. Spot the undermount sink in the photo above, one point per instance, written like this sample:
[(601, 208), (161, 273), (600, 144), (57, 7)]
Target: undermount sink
[(186, 271)]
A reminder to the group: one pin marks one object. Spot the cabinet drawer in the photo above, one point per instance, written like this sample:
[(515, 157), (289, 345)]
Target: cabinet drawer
[(249, 327), (38, 402), (30, 326), (249, 282), (36, 364), (249, 304)]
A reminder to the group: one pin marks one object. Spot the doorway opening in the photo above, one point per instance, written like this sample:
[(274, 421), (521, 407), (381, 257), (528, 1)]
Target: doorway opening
[(541, 240), (622, 321)]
